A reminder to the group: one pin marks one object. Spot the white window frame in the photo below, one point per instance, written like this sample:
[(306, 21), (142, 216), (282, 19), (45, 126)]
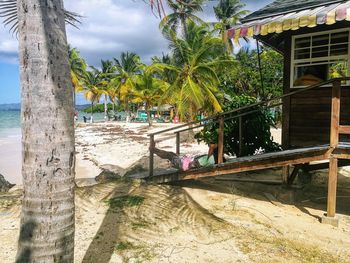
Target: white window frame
[(320, 59)]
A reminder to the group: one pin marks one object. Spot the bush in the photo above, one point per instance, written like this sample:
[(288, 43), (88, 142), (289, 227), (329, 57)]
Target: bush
[(255, 129), (101, 108)]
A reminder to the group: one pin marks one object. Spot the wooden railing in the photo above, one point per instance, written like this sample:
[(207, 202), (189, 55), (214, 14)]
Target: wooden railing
[(336, 128)]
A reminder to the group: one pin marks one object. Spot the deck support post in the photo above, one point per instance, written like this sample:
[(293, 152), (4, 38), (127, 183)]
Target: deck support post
[(221, 140), (178, 143), (333, 161), (285, 174), (151, 155)]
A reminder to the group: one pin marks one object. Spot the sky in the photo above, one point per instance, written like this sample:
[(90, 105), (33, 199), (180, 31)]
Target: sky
[(108, 28)]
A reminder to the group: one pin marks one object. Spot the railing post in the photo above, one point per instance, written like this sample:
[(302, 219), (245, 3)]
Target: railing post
[(151, 155), (221, 140), (240, 136), (333, 161), (335, 115), (332, 187), (178, 143)]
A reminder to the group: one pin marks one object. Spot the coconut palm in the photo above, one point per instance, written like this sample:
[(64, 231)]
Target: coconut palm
[(197, 61), (126, 67), (228, 13), (148, 90), (92, 87), (47, 219), (78, 67), (182, 12), (108, 71)]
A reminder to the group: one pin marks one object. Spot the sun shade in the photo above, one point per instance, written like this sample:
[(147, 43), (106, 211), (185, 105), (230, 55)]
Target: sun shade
[(312, 17)]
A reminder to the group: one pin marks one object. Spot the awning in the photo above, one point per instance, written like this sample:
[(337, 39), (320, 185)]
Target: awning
[(328, 14)]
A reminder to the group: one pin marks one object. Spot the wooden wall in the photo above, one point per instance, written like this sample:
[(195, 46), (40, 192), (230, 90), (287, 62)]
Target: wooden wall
[(310, 114), (306, 116)]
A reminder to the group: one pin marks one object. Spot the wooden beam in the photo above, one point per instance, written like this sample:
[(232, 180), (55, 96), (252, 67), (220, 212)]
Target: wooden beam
[(246, 166), (178, 143), (323, 166), (294, 174), (221, 141), (335, 114), (151, 155), (344, 129), (332, 187)]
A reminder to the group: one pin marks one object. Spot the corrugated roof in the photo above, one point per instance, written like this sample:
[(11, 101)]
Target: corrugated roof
[(280, 7)]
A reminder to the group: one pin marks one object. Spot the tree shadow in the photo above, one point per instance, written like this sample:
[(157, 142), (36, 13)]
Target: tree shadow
[(106, 238), (25, 237), (312, 196)]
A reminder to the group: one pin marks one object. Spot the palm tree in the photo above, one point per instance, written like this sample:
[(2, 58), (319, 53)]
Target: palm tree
[(148, 90), (47, 110), (182, 12), (108, 71), (197, 59), (126, 67), (228, 13), (91, 87), (78, 68)]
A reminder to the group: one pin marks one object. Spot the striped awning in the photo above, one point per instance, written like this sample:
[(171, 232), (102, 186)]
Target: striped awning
[(313, 17)]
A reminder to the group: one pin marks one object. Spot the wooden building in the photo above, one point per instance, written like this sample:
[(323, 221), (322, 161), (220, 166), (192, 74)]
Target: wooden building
[(313, 37)]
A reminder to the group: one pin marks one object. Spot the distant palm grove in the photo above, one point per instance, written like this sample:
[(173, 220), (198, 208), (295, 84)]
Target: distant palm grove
[(200, 72)]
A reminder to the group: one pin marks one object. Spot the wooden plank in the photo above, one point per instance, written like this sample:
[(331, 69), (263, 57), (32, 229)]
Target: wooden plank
[(323, 166), (285, 174), (245, 164), (178, 143), (344, 129), (332, 187), (221, 141), (294, 174), (286, 89), (335, 115)]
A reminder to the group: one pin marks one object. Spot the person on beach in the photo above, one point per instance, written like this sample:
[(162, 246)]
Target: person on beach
[(187, 162)]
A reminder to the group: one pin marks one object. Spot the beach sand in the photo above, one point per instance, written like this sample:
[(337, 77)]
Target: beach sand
[(209, 220)]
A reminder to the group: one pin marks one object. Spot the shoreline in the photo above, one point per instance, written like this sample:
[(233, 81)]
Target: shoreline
[(114, 147)]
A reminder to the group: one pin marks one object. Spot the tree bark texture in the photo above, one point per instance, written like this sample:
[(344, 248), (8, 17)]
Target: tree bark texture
[(47, 113)]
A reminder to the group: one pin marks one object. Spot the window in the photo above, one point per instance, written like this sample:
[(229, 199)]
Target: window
[(319, 57)]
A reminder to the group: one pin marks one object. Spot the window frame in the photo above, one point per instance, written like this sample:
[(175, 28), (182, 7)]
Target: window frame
[(321, 60)]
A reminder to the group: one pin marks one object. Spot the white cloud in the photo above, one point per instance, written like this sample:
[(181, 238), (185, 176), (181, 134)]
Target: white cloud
[(108, 28)]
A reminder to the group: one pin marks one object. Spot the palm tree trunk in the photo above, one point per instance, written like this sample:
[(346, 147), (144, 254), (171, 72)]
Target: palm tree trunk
[(48, 154), (149, 115), (92, 110), (105, 107)]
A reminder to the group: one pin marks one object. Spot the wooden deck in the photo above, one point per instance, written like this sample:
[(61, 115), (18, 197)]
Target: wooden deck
[(256, 162)]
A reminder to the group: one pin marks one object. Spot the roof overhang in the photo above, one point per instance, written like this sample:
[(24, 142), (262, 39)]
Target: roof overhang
[(267, 28)]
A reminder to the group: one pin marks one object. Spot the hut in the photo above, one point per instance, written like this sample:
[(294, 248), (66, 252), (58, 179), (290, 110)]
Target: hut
[(313, 37)]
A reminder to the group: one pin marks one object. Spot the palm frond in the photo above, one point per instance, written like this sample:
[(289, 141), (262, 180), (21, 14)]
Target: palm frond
[(8, 11)]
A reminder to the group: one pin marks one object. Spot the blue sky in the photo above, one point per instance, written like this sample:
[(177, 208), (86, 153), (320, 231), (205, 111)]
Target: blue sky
[(109, 27)]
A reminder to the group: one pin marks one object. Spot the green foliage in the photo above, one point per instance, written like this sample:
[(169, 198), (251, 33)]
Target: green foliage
[(122, 246), (245, 77), (99, 108), (121, 202), (255, 129)]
